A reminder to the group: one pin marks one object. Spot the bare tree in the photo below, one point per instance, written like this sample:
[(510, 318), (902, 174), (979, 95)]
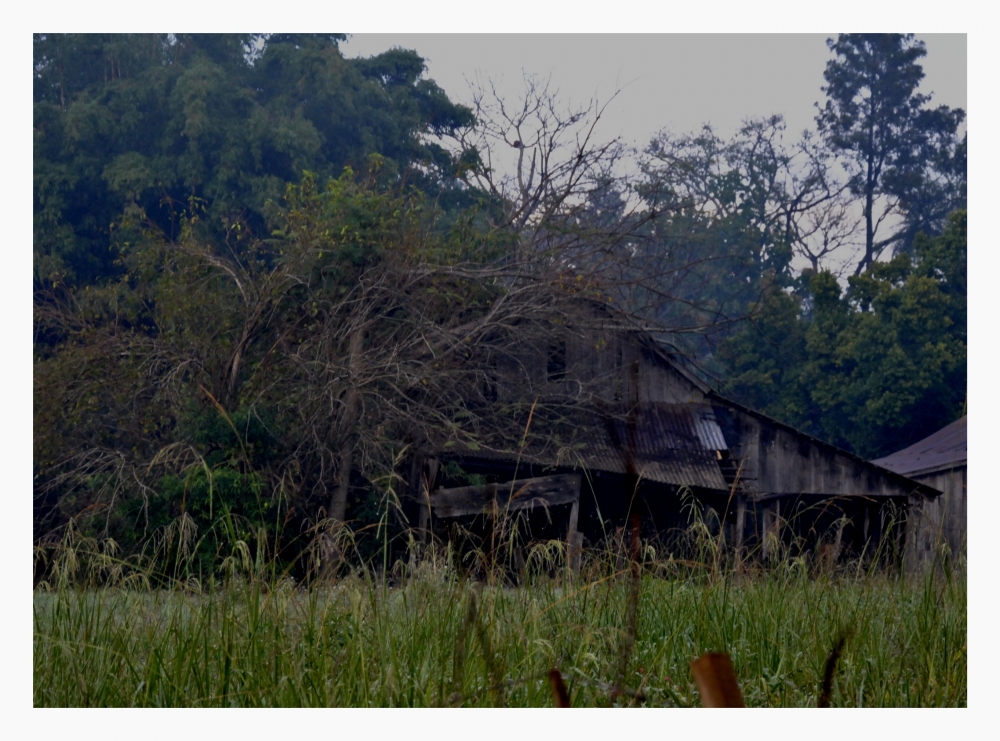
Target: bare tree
[(825, 232), (790, 198), (560, 161)]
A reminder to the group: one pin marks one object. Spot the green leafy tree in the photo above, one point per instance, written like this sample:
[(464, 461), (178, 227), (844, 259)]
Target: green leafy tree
[(927, 197), (762, 362), (725, 217), (141, 124), (873, 368)]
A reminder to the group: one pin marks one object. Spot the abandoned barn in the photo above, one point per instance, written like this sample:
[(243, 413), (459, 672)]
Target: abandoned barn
[(941, 461), (611, 408)]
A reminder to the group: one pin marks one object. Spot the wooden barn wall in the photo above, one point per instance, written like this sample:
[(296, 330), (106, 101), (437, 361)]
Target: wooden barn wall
[(781, 462), (609, 364), (658, 382), (742, 433), (943, 519), (595, 362)]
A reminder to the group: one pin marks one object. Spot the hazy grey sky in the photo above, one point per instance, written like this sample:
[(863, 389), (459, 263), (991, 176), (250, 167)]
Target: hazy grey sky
[(678, 81)]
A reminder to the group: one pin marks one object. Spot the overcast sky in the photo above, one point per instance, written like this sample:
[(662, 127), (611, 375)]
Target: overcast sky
[(678, 81), (674, 81)]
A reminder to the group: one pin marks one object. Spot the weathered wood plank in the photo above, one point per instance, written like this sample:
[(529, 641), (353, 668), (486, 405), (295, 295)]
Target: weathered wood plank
[(574, 552), (771, 530), (544, 491)]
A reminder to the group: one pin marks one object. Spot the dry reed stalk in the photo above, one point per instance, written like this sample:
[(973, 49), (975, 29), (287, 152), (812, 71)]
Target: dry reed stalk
[(458, 670), (713, 673), (830, 669), (631, 604)]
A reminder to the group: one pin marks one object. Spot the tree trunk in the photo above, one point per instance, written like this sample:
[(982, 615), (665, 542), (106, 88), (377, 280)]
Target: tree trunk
[(869, 230), (870, 183), (352, 403)]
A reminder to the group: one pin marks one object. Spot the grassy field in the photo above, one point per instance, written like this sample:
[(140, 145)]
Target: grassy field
[(432, 639)]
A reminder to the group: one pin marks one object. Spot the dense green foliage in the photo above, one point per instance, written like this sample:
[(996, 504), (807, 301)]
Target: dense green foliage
[(126, 123), (232, 377), (873, 368)]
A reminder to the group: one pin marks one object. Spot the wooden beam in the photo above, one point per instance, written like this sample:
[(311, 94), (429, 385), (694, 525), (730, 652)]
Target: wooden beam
[(545, 491), (771, 496), (574, 548)]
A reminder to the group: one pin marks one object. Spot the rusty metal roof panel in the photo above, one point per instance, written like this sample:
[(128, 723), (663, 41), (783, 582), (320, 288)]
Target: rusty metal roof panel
[(669, 443), (702, 471), (708, 428), (660, 426)]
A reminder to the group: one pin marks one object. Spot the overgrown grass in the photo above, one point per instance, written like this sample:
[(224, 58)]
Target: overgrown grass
[(431, 638)]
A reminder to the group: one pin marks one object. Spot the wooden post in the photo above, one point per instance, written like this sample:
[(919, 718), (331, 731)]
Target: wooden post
[(917, 532), (741, 520), (574, 539), (428, 474), (424, 521), (772, 515), (574, 514), (875, 528)]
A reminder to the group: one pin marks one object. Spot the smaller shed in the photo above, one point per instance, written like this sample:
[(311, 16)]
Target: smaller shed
[(939, 461)]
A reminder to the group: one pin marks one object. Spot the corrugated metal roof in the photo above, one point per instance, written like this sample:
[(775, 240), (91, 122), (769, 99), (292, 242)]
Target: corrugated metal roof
[(946, 448), (672, 443)]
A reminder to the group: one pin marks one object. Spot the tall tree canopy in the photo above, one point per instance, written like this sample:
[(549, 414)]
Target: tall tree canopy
[(127, 123), (890, 143)]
